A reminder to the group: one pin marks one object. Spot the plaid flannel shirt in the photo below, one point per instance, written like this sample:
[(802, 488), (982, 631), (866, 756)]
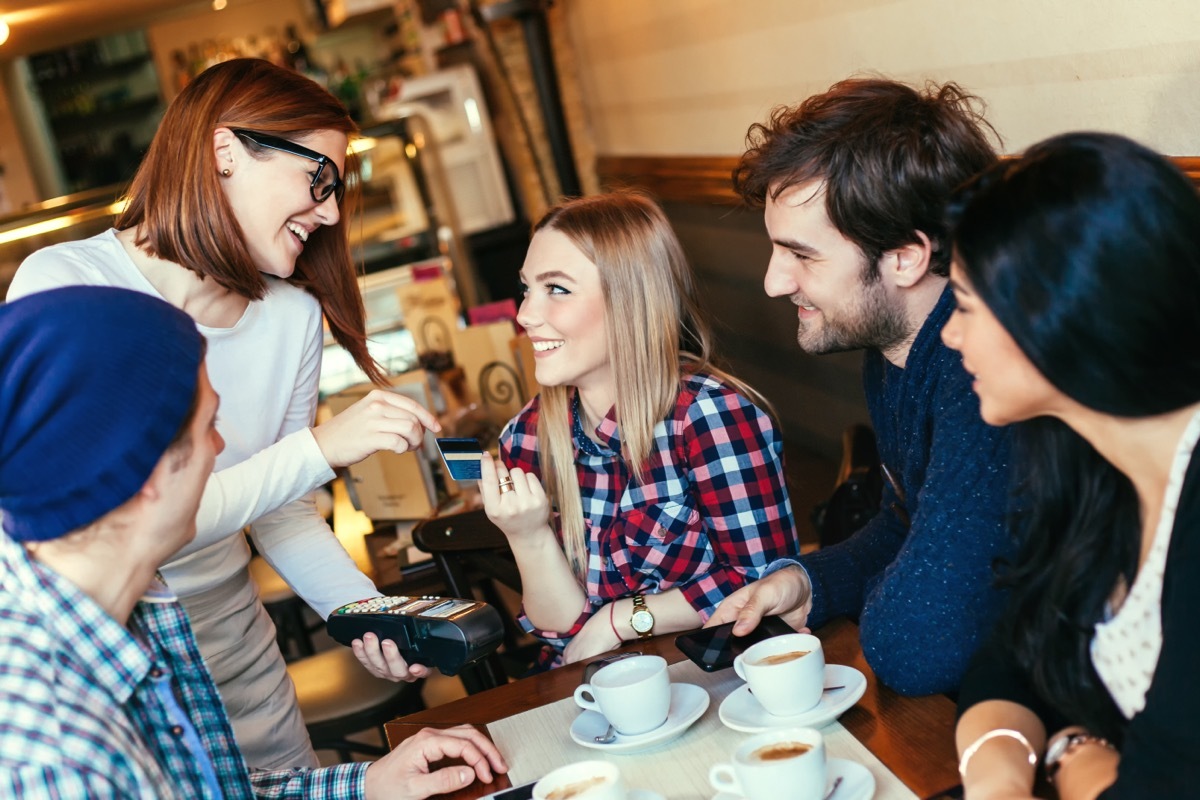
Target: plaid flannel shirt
[(79, 712), (712, 515)]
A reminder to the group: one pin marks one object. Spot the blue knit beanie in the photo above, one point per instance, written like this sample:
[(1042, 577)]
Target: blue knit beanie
[(95, 382)]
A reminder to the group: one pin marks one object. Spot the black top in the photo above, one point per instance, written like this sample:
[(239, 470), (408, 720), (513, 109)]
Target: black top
[(1160, 756)]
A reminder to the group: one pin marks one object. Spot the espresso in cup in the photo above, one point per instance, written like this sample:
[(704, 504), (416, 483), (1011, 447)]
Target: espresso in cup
[(781, 658), (792, 758), (633, 694), (786, 673), (583, 780)]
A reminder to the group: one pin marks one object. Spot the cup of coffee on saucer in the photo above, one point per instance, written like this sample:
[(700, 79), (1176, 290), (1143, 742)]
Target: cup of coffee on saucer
[(634, 695), (786, 673), (589, 780), (583, 780), (761, 765)]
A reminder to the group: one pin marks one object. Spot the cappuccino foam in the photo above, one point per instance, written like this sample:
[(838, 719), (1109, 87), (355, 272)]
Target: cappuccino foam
[(779, 751), (575, 788)]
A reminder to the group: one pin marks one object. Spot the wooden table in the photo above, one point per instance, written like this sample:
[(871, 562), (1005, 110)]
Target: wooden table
[(913, 737)]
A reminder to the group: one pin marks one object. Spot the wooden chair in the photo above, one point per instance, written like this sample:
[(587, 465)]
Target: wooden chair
[(470, 553), (338, 698), (858, 490)]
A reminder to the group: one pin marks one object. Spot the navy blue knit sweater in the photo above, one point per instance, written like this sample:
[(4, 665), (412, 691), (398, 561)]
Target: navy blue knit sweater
[(923, 592)]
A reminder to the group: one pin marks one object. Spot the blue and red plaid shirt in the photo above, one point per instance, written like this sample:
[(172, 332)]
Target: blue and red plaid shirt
[(711, 517), (82, 713)]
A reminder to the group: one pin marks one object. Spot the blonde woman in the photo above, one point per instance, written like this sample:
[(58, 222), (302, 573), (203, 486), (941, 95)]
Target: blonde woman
[(664, 473)]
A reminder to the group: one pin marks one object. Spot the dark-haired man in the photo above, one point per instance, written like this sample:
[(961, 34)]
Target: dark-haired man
[(107, 439), (853, 183)]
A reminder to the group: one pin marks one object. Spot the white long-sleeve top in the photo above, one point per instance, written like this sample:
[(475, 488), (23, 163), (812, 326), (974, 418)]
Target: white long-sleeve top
[(265, 370)]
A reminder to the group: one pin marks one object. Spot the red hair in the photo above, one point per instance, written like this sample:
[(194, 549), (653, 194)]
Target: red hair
[(183, 216)]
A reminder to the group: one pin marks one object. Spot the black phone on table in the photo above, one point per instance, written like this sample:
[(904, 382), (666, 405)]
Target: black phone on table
[(715, 648), (461, 457), (522, 792)]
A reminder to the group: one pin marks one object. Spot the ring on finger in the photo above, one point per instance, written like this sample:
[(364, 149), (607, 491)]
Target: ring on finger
[(506, 485)]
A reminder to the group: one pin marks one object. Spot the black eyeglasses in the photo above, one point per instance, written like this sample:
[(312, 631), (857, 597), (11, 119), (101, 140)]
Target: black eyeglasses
[(325, 182)]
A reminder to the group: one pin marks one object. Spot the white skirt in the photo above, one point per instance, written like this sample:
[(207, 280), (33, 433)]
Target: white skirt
[(237, 640)]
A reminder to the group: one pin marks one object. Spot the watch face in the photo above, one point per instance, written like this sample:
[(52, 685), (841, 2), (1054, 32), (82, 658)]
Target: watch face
[(642, 621)]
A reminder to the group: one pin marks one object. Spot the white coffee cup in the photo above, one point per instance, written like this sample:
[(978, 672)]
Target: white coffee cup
[(783, 682), (633, 694), (583, 780), (764, 764)]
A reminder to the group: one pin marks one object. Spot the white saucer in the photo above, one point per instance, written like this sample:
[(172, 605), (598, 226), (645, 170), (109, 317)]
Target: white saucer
[(644, 794), (688, 703), (857, 782), (742, 712)]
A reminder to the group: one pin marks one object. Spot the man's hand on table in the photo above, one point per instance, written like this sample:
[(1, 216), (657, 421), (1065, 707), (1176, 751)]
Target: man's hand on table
[(404, 773), (383, 660), (786, 593)]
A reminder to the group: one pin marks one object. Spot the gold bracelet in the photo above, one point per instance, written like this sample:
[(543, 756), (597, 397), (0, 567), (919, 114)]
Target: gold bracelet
[(1007, 733)]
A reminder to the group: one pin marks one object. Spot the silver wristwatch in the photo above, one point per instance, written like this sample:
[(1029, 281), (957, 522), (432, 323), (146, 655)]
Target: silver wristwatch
[(1063, 746)]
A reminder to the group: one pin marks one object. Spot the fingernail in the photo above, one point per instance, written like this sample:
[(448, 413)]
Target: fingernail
[(465, 776)]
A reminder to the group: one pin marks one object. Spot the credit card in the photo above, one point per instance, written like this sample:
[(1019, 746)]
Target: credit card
[(461, 457)]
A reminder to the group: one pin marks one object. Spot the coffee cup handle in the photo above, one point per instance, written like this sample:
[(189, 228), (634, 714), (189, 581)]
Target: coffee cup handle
[(723, 779), (586, 698), (739, 669)]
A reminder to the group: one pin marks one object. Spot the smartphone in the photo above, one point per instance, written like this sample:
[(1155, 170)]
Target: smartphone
[(715, 648), (955, 793), (522, 792), (461, 457)]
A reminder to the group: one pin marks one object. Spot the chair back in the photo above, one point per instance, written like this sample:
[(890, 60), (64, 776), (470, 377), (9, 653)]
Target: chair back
[(470, 553), (856, 497)]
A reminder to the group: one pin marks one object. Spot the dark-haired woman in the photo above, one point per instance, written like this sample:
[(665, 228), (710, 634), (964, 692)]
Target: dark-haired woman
[(234, 216), (1077, 274)]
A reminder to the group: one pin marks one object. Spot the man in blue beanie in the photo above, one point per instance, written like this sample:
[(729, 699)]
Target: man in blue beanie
[(107, 438)]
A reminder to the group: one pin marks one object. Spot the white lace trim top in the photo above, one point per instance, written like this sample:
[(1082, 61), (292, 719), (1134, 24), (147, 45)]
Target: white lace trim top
[(1126, 646)]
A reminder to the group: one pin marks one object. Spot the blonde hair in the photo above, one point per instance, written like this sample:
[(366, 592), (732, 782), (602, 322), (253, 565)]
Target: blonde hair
[(649, 287)]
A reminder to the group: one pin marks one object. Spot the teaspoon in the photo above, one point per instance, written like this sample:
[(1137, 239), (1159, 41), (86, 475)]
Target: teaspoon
[(609, 736)]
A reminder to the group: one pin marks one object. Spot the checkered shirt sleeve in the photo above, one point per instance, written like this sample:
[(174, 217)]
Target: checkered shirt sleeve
[(80, 712)]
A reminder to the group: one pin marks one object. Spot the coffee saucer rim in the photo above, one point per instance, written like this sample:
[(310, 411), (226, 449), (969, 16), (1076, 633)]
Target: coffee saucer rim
[(816, 717), (662, 733), (643, 793), (842, 765)]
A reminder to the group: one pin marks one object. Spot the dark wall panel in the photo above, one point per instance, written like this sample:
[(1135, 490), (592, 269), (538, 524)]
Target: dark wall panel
[(815, 396)]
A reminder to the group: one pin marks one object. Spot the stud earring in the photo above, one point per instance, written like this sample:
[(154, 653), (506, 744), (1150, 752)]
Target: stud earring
[(227, 172)]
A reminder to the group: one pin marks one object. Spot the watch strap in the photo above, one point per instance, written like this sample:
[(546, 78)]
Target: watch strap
[(1063, 748)]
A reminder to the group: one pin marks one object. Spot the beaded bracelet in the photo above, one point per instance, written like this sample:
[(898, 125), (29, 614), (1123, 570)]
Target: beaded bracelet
[(994, 734)]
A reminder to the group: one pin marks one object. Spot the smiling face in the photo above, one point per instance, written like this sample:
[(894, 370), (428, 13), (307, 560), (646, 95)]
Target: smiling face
[(564, 313), (841, 306), (1010, 387), (270, 194)]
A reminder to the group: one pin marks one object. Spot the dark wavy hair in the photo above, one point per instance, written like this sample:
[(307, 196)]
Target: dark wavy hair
[(890, 156), (1087, 250)]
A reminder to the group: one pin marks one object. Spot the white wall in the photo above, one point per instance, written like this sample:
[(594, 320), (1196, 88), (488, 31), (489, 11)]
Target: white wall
[(686, 77)]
